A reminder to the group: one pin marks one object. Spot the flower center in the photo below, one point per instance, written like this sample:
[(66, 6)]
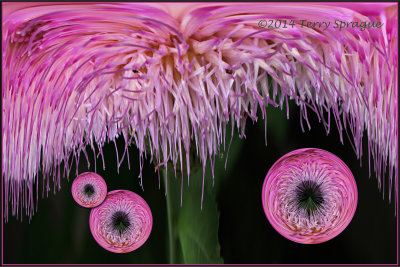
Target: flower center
[(120, 221), (309, 197), (89, 190)]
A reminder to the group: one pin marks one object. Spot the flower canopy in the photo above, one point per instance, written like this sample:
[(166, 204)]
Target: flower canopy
[(169, 77)]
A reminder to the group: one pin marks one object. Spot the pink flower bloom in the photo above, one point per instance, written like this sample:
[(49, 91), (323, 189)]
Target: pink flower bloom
[(174, 75), (309, 196), (89, 189), (122, 223)]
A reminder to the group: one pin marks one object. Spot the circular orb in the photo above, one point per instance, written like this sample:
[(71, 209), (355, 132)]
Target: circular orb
[(309, 196), (89, 189), (122, 223)]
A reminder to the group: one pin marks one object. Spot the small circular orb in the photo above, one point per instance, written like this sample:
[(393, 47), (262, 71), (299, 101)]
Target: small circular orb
[(309, 196), (89, 189), (122, 223)]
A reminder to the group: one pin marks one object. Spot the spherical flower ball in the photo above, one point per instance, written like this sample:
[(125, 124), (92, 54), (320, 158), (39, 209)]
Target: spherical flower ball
[(89, 189), (309, 196), (122, 223)]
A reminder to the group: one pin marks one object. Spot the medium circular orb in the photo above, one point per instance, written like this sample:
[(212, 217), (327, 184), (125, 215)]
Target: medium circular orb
[(89, 189), (122, 223), (309, 196)]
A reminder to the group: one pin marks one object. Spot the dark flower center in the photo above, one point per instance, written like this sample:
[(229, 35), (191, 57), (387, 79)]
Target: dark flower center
[(309, 197), (89, 190), (120, 221)]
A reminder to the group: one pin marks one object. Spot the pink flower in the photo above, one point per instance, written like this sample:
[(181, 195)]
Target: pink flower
[(89, 189), (309, 196), (174, 75), (122, 223)]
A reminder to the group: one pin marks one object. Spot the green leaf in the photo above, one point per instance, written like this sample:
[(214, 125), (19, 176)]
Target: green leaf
[(198, 228), (193, 231)]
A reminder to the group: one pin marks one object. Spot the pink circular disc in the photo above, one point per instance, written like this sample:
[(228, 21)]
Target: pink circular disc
[(89, 189), (122, 223), (309, 196)]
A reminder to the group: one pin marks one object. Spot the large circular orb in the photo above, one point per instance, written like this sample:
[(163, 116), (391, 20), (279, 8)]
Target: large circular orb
[(122, 223), (309, 196)]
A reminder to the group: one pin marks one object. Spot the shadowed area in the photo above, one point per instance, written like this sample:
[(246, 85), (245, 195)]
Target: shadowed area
[(88, 189), (309, 197), (120, 221)]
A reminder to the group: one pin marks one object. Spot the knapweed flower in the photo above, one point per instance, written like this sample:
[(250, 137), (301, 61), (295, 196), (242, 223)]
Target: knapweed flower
[(122, 223), (169, 77), (309, 196), (89, 189)]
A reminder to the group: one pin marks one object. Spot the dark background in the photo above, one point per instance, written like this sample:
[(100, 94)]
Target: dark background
[(59, 230)]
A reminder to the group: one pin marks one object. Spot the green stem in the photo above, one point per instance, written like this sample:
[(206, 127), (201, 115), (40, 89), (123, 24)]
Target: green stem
[(169, 215)]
